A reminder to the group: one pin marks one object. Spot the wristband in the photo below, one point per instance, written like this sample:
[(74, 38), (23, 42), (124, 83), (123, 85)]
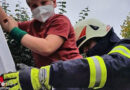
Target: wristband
[(17, 33)]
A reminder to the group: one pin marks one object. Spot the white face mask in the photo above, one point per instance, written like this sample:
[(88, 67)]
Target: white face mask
[(42, 13)]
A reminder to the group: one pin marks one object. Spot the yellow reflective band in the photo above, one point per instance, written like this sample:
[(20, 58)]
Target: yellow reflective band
[(98, 72), (35, 79), (103, 72), (47, 76), (92, 72), (122, 50)]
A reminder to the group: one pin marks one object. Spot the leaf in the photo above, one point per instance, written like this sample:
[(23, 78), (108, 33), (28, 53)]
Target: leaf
[(125, 32), (17, 50)]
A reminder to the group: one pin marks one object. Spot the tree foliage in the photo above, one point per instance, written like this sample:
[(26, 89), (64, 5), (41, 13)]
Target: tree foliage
[(20, 53), (62, 7), (83, 14), (125, 32)]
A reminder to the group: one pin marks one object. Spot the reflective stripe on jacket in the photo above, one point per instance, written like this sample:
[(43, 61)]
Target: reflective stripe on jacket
[(109, 72)]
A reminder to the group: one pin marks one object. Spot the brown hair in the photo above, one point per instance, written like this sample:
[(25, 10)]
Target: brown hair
[(28, 1)]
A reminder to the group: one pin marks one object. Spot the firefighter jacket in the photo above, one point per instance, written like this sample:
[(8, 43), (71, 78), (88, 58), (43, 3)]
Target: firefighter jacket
[(108, 72)]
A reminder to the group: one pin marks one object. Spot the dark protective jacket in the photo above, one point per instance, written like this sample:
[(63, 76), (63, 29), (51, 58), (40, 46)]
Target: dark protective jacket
[(109, 72), (104, 44)]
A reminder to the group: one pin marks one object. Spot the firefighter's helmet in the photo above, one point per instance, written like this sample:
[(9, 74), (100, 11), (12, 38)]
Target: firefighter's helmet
[(90, 28)]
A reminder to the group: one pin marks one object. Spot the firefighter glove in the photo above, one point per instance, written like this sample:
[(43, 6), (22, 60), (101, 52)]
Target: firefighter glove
[(28, 79)]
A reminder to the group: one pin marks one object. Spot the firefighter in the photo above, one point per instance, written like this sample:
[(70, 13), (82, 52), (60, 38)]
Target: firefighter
[(109, 72), (94, 37), (106, 72)]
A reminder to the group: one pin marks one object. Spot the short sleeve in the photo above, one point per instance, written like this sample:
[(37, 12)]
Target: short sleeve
[(60, 26), (24, 25)]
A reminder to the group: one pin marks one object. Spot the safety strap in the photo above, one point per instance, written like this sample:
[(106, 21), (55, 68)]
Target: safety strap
[(122, 50), (98, 72)]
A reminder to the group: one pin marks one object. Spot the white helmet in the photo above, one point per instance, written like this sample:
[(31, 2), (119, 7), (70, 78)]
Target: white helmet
[(90, 28)]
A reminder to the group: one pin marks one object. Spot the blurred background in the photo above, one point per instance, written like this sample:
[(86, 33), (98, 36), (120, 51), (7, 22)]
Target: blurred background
[(115, 13)]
